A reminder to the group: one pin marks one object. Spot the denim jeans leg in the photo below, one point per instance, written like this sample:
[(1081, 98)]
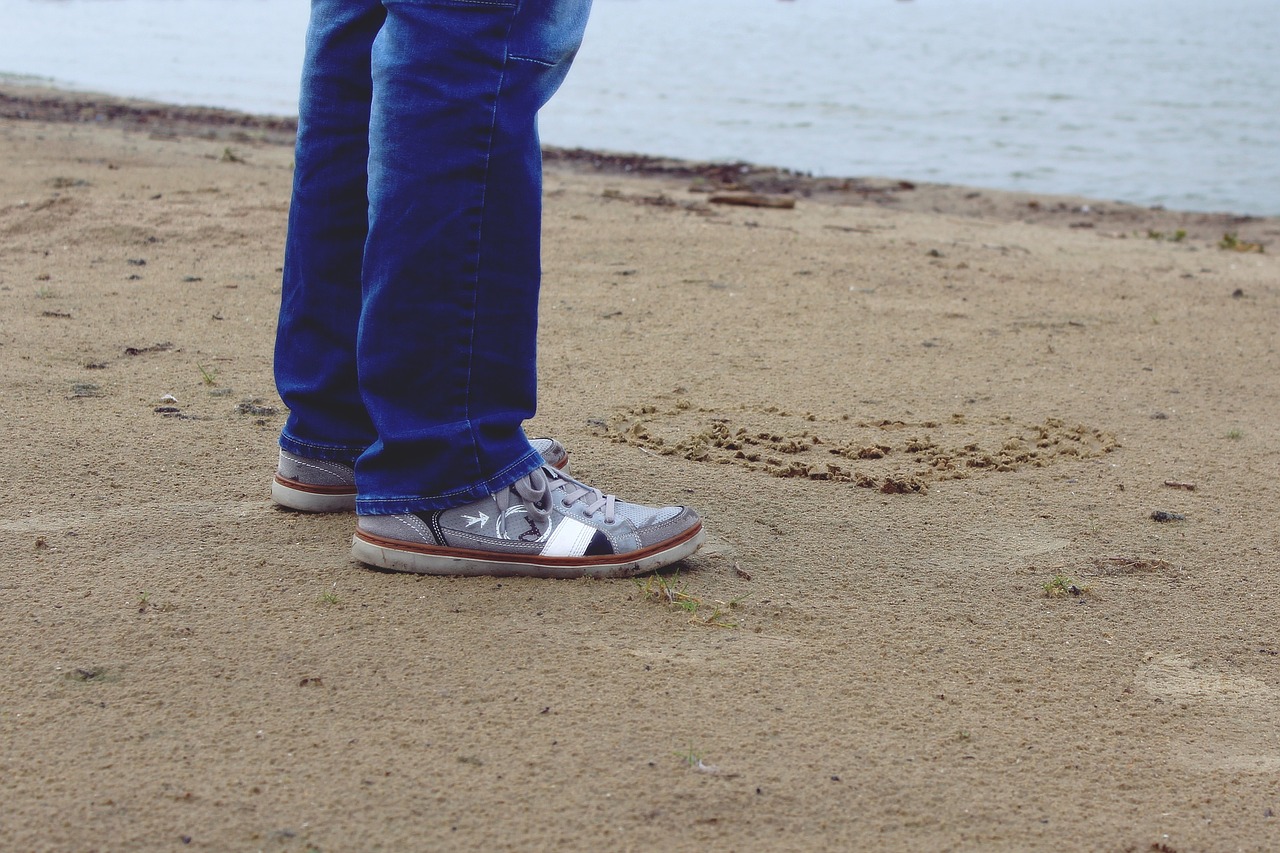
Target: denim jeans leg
[(446, 346), (315, 359)]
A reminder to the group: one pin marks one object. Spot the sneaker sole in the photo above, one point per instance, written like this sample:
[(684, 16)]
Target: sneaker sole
[(304, 497), (429, 560), (307, 498)]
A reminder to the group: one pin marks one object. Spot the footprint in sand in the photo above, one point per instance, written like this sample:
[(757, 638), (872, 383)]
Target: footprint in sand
[(1232, 722), (890, 455)]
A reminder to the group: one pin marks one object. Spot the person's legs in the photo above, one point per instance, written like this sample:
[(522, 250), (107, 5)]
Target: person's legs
[(442, 97), (329, 427), (315, 360), (451, 266)]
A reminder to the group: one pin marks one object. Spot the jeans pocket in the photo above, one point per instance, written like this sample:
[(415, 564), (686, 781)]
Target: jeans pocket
[(548, 32)]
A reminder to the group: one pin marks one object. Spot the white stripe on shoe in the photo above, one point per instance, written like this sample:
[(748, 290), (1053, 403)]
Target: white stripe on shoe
[(570, 539)]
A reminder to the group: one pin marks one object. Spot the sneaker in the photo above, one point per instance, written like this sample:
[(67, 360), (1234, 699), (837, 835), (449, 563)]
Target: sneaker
[(314, 485), (545, 525)]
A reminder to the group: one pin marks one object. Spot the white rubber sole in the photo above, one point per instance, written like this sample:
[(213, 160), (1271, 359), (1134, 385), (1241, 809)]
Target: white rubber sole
[(383, 554), (307, 500)]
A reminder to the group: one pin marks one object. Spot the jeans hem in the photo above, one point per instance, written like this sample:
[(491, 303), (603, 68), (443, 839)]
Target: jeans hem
[(531, 461), (324, 452)]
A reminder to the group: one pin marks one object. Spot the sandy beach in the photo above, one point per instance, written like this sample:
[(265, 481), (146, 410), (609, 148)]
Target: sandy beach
[(990, 485)]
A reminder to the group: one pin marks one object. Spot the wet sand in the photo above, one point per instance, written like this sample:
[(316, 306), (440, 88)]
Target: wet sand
[(928, 427)]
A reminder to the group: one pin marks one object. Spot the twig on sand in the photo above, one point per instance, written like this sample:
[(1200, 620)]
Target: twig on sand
[(782, 202)]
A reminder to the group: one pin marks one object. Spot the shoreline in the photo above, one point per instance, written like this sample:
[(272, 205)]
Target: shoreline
[(37, 101)]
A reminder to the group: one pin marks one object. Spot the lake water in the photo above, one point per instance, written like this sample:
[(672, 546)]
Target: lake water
[(1172, 102)]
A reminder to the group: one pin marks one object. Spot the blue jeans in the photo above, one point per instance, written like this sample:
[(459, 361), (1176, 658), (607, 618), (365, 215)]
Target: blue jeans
[(408, 314)]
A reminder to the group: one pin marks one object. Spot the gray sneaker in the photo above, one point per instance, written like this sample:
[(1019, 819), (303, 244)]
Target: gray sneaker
[(545, 525), (313, 485)]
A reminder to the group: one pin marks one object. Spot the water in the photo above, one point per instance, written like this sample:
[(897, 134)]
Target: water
[(1171, 102), (242, 54)]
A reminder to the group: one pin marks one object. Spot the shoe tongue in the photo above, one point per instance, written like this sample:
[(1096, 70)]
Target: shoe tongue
[(528, 489)]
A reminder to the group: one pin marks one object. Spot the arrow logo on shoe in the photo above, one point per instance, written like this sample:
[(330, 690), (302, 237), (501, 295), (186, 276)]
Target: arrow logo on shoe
[(473, 520)]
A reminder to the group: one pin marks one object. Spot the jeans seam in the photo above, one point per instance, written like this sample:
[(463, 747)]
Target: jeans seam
[(532, 59), (484, 198), (321, 450), (500, 477)]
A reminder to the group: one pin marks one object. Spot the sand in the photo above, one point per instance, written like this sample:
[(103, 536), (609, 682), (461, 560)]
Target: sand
[(928, 428)]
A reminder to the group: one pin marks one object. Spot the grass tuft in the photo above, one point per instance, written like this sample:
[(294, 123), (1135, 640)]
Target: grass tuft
[(1231, 242), (670, 591), (1061, 586), (330, 596)]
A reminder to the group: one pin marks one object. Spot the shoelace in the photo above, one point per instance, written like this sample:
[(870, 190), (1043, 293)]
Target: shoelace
[(538, 488)]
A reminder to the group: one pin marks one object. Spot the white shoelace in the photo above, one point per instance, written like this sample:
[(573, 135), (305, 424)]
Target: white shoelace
[(539, 487)]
